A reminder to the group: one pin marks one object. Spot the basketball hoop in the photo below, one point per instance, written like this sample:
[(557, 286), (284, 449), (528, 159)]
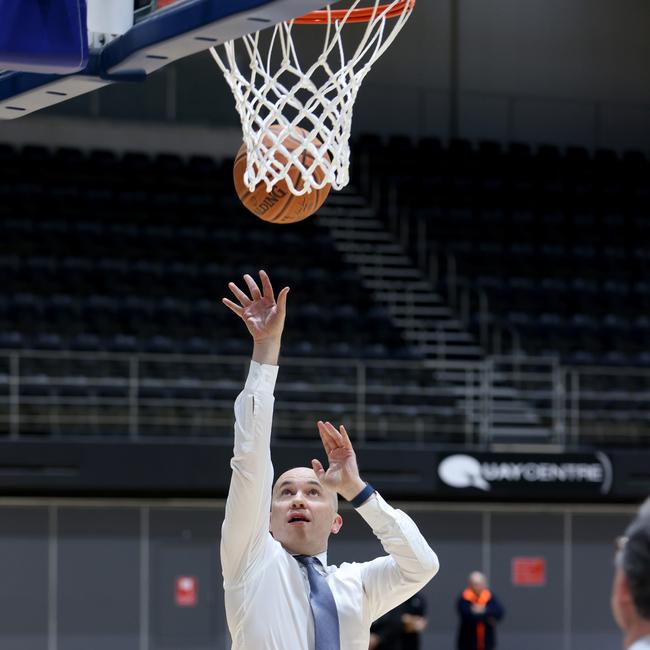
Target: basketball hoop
[(363, 15), (273, 88)]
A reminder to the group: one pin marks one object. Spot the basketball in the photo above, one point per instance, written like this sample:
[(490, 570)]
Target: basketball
[(280, 205)]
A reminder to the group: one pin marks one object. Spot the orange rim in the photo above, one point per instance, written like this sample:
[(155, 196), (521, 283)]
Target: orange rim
[(364, 15)]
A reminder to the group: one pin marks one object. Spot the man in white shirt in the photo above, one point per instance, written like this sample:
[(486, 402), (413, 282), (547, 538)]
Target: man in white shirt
[(279, 592), (631, 588)]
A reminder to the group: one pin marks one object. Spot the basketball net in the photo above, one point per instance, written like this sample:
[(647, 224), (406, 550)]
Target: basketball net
[(271, 86)]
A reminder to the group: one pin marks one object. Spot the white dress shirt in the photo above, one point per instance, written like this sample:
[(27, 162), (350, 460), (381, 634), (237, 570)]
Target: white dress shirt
[(266, 590), (641, 644)]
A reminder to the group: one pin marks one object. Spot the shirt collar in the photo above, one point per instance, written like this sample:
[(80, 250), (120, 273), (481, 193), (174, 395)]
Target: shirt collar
[(321, 557), (641, 644)]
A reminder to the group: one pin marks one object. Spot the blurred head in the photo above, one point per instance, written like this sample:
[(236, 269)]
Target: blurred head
[(303, 512), (644, 510), (631, 589), (477, 582)]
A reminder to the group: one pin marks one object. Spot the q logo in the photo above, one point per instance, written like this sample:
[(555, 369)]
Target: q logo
[(462, 471)]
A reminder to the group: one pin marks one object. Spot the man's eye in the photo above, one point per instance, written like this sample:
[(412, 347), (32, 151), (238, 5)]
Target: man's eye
[(285, 492), (315, 491)]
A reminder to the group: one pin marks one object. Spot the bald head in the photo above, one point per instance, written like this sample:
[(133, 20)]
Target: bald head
[(304, 474), (477, 581)]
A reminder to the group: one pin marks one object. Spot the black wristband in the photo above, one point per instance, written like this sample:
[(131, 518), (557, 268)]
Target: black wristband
[(363, 496)]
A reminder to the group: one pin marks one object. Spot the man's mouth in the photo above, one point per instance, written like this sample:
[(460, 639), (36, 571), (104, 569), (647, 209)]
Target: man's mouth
[(297, 519)]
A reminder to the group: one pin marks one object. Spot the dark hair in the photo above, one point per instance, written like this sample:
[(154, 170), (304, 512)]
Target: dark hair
[(636, 563)]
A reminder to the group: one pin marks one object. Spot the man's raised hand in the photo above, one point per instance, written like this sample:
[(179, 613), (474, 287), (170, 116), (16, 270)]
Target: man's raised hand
[(262, 314), (342, 473)]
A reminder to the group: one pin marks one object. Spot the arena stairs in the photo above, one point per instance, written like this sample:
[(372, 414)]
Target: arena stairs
[(426, 321)]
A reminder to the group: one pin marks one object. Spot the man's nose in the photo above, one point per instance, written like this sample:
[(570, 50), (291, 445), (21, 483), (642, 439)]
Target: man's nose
[(298, 500)]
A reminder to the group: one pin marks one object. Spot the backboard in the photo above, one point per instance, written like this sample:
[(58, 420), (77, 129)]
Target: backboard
[(159, 37)]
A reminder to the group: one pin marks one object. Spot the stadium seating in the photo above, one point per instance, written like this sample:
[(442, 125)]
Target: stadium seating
[(558, 241), (134, 253)]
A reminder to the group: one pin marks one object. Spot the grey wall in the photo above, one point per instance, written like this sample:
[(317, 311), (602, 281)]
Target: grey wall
[(101, 575), (535, 70)]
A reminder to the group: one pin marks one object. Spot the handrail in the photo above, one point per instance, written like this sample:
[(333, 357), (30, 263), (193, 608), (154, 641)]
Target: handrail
[(414, 399)]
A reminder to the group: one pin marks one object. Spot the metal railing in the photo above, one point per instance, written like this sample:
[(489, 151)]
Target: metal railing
[(495, 336), (506, 398), (610, 404)]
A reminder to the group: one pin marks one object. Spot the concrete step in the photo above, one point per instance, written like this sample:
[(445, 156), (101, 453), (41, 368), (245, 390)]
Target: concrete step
[(347, 196), (360, 235), (420, 288), (424, 324), (401, 291), (446, 336), (349, 225), (402, 300), (469, 352), (358, 248), (436, 312), (390, 272), (379, 260)]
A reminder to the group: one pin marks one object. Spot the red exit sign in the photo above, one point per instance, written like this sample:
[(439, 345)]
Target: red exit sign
[(529, 571), (187, 591)]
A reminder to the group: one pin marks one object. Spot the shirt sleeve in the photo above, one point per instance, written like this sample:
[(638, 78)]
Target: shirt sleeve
[(409, 565), (245, 528)]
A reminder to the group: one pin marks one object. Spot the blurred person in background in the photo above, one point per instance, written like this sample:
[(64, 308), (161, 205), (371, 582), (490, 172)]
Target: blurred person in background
[(479, 611), (631, 589), (401, 628)]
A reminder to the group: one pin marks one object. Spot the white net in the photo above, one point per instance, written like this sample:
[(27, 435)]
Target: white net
[(313, 103)]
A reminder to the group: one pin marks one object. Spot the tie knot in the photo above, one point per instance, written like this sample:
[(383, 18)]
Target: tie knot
[(308, 560)]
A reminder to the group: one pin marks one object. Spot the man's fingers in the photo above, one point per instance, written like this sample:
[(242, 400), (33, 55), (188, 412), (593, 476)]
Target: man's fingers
[(267, 288), (239, 294), (252, 286), (318, 468), (346, 438), (232, 306), (282, 299), (325, 438), (334, 434)]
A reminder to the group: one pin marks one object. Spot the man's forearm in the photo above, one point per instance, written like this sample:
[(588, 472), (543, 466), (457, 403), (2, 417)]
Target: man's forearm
[(267, 351)]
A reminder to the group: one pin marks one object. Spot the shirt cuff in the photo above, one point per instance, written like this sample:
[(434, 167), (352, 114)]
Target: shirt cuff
[(261, 377), (375, 511)]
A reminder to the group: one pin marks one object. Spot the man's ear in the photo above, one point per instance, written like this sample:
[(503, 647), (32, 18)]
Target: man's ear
[(337, 524), (622, 588)]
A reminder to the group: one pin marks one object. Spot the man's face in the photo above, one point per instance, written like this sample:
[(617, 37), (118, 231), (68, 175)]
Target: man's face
[(477, 583), (303, 512)]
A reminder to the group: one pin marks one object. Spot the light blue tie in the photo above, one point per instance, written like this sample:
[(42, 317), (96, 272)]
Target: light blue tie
[(323, 607)]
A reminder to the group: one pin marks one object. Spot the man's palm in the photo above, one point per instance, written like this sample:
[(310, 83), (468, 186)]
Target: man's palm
[(342, 465), (263, 316)]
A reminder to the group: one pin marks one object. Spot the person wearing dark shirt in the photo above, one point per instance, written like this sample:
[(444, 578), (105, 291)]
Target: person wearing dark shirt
[(386, 631), (479, 611), (401, 628), (414, 621)]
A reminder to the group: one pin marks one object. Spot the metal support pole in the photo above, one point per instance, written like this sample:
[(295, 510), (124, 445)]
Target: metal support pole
[(14, 395), (484, 319), (133, 396), (361, 401), (486, 401), (422, 244), (452, 280), (559, 403)]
